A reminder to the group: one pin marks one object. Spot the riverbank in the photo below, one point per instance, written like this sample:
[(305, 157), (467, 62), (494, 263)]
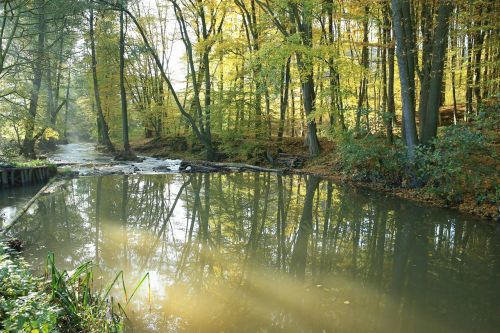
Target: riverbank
[(57, 302), (460, 172)]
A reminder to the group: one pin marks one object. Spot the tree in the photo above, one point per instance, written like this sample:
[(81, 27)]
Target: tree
[(103, 132), (123, 93), (435, 32), (30, 137), (406, 54), (200, 131), (9, 23), (301, 19)]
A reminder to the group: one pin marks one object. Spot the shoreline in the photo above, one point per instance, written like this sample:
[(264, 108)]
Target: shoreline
[(485, 212), (468, 205)]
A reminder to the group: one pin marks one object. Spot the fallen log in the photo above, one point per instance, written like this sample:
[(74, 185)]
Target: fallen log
[(25, 208), (205, 166)]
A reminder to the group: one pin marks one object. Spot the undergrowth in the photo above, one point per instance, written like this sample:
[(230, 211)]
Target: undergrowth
[(61, 302), (24, 306), (461, 161)]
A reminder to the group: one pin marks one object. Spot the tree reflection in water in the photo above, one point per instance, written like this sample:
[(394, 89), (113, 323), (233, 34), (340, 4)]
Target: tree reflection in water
[(259, 252)]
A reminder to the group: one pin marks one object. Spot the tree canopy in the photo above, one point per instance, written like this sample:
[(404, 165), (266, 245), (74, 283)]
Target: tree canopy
[(226, 70)]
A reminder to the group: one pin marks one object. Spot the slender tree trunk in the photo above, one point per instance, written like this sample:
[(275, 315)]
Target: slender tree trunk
[(391, 109), (28, 148), (363, 85), (478, 47), (66, 113), (123, 93), (469, 77), (440, 42), (292, 95), (104, 129), (427, 29), (51, 107), (406, 63), (285, 85), (453, 68), (306, 70)]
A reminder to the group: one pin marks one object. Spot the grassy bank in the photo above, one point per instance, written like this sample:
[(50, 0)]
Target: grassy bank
[(458, 170), (20, 162), (58, 302)]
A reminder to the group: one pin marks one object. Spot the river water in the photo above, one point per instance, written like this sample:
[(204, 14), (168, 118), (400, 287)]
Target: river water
[(84, 158), (258, 252)]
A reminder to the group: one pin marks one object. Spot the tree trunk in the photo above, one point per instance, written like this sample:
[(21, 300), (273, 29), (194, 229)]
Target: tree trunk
[(306, 70), (478, 49), (285, 84), (469, 77), (28, 148), (440, 41), (363, 85), (405, 53), (104, 129), (391, 109), (123, 93)]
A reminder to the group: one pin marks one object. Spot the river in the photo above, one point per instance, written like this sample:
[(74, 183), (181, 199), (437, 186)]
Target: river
[(260, 252)]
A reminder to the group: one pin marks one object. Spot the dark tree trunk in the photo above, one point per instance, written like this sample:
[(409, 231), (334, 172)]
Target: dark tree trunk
[(389, 42), (440, 42), (304, 26), (285, 84), (363, 85), (299, 255)]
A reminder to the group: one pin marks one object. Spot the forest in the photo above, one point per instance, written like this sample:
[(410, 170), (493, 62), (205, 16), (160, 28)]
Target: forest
[(399, 92), (220, 72), (249, 166)]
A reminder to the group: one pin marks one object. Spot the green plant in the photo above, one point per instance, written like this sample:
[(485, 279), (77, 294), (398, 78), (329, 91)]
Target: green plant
[(84, 308), (62, 302), (371, 159), (445, 165), (24, 306)]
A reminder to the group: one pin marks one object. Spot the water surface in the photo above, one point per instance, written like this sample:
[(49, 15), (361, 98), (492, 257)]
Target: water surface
[(250, 252), (12, 200), (86, 159)]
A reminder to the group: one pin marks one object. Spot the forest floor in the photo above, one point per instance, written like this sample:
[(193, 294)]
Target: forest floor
[(334, 164)]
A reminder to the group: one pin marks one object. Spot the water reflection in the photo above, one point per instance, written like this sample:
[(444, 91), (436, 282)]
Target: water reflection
[(12, 200), (265, 253)]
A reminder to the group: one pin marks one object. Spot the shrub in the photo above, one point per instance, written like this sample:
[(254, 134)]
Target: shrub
[(24, 307), (450, 166), (8, 148), (372, 159)]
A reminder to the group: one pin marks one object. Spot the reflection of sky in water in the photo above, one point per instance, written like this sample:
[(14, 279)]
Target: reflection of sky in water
[(14, 199), (222, 258)]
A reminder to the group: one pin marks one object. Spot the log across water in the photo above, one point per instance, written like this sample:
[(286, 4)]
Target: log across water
[(10, 177)]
